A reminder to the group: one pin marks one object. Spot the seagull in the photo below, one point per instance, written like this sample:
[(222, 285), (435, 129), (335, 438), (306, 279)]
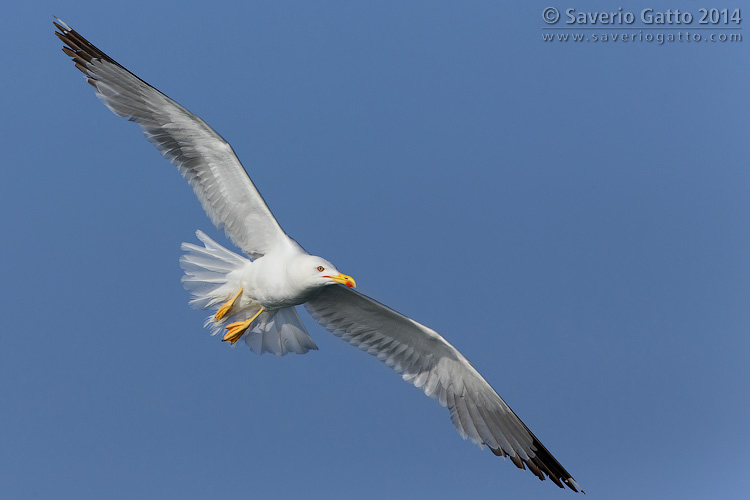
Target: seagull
[(255, 296)]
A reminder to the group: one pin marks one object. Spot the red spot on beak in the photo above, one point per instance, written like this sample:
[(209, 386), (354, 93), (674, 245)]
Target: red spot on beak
[(349, 284)]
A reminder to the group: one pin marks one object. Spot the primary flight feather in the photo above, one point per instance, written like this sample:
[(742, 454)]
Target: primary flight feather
[(255, 297)]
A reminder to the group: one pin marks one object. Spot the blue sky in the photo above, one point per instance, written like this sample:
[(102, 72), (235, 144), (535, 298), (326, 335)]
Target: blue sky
[(572, 216)]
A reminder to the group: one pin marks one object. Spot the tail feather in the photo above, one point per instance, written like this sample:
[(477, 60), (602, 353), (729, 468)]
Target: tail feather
[(212, 275), (279, 332), (208, 271)]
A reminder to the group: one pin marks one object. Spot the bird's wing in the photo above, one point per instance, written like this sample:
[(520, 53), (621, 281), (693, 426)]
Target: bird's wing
[(202, 156), (424, 358)]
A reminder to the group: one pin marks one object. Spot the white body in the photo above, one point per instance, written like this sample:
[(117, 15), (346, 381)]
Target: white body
[(213, 275)]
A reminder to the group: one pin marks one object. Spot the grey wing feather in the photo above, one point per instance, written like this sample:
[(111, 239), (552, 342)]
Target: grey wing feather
[(202, 156), (423, 358)]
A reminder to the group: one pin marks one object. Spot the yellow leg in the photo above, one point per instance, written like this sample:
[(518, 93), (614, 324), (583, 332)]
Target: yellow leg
[(235, 330), (223, 310)]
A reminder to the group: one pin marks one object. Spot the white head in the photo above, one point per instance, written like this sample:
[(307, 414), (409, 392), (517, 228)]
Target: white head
[(313, 272)]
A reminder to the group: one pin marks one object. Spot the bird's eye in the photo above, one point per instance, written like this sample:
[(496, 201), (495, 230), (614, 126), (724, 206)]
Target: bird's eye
[(321, 269)]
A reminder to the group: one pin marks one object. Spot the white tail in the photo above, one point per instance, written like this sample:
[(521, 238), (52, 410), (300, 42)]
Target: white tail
[(212, 275)]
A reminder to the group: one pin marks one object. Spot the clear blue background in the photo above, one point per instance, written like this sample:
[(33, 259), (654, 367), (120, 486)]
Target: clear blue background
[(572, 217)]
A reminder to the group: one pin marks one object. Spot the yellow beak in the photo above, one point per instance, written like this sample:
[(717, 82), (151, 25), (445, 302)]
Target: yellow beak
[(343, 279)]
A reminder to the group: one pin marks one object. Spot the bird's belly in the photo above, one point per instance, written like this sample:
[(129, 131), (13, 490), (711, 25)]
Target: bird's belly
[(270, 302), (267, 282), (273, 295)]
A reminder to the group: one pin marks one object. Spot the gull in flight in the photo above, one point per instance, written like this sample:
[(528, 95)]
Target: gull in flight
[(254, 296)]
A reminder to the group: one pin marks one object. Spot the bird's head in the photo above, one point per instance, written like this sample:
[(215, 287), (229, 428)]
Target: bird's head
[(317, 272)]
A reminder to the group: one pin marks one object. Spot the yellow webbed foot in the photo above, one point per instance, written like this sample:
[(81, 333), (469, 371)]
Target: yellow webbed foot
[(237, 329), (224, 310)]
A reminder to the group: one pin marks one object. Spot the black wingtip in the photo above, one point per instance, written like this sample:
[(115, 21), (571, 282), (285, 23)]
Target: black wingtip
[(549, 464), (78, 48), (543, 465), (61, 25)]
